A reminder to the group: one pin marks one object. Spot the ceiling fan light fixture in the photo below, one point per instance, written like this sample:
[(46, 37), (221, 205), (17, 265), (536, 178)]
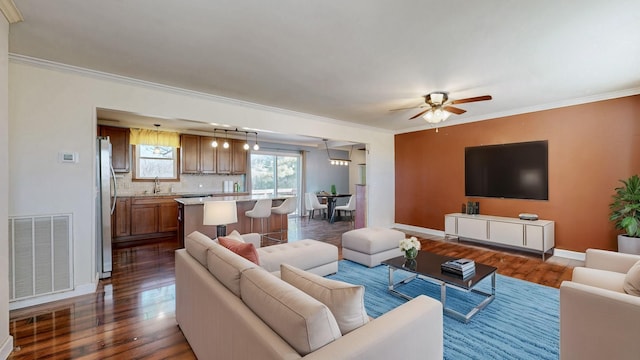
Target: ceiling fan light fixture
[(436, 115), (436, 98)]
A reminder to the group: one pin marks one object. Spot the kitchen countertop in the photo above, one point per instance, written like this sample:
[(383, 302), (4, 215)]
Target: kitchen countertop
[(238, 198), (182, 194)]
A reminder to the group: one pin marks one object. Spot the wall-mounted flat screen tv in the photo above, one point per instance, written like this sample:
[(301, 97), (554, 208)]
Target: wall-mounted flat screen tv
[(515, 171)]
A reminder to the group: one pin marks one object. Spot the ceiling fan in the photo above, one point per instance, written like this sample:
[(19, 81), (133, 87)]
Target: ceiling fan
[(439, 106)]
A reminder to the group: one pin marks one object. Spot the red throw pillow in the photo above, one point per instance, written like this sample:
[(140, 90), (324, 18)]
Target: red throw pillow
[(246, 250)]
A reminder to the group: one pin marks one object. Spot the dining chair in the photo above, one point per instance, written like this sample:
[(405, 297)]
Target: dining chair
[(350, 207), (314, 205)]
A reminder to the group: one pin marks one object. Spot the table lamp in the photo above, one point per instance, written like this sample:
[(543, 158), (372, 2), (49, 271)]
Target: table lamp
[(220, 213)]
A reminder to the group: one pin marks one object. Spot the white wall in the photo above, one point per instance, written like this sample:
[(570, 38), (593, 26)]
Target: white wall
[(6, 342), (52, 109)]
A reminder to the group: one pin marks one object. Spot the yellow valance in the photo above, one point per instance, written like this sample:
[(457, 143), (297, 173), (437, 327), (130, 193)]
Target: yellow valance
[(153, 137)]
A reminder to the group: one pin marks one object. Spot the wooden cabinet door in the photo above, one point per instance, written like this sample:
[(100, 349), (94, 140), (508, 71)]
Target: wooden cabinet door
[(239, 157), (119, 138), (168, 217), (121, 218), (190, 154), (207, 155), (224, 157), (144, 219)]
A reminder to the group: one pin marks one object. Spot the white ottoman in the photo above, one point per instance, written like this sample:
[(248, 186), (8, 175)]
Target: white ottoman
[(371, 246), (313, 256)]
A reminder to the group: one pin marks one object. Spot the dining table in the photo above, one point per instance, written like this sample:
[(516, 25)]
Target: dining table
[(331, 204)]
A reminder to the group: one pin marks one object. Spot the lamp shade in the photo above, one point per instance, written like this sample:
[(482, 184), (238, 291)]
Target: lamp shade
[(219, 213)]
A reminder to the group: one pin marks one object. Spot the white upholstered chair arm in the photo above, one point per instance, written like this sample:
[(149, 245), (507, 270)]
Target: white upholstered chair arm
[(417, 325), (597, 323), (610, 260), (253, 238), (603, 279)]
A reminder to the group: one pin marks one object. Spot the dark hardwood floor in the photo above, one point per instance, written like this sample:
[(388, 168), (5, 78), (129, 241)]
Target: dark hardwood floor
[(132, 315)]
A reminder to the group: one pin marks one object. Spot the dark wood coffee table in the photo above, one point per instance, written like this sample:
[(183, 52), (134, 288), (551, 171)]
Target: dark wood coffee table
[(427, 267)]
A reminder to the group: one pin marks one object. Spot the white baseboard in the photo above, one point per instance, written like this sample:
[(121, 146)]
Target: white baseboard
[(568, 254), (418, 229), (79, 290), (6, 348)]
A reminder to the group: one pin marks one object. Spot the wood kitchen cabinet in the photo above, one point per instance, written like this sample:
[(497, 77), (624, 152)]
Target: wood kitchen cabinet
[(234, 159), (198, 156), (207, 155), (238, 157), (120, 154), (144, 219), (121, 218), (224, 157), (168, 216)]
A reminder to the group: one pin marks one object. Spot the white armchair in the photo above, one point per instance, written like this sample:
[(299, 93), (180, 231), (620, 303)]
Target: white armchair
[(598, 320)]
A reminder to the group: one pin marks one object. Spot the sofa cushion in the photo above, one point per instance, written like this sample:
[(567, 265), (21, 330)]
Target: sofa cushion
[(302, 321), (246, 250), (197, 244), (226, 266), (346, 301), (632, 280)]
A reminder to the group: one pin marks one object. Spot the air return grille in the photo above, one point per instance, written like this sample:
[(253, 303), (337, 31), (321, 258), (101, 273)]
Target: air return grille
[(40, 260)]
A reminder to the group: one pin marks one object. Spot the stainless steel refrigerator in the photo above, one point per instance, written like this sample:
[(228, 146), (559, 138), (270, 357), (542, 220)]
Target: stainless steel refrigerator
[(106, 195)]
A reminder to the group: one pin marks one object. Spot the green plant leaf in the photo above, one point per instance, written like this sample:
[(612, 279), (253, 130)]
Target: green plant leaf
[(625, 207)]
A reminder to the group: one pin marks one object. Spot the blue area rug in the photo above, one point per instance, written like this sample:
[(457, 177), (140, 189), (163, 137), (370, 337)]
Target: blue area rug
[(520, 323)]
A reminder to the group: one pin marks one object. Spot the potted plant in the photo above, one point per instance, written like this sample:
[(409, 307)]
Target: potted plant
[(625, 211)]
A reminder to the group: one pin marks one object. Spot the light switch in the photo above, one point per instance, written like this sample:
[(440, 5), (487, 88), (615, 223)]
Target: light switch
[(67, 157)]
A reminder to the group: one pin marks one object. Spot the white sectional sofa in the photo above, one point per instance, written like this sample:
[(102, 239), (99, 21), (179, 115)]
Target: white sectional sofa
[(230, 308)]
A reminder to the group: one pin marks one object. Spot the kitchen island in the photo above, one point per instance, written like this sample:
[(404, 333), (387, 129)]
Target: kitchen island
[(190, 211)]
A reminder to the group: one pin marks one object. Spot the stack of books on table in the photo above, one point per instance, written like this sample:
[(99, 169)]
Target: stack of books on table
[(461, 267)]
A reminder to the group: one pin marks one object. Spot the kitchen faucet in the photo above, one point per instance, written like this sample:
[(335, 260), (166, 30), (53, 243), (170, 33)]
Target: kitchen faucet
[(156, 186)]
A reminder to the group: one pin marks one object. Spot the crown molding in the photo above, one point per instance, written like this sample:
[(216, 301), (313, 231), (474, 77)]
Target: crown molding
[(10, 11), (23, 59)]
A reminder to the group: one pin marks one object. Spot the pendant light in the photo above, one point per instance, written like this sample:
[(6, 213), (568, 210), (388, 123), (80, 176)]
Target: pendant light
[(256, 147), (214, 143), (246, 141), (334, 161), (157, 150), (226, 142)]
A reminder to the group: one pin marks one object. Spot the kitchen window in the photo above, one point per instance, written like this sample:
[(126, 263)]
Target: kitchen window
[(153, 162)]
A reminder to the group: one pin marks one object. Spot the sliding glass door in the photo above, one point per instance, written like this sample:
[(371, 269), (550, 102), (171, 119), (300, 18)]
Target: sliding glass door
[(275, 174)]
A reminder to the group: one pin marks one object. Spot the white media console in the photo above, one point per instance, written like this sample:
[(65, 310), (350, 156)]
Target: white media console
[(537, 235)]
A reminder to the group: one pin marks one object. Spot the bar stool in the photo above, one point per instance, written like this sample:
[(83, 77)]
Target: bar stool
[(287, 207), (261, 210)]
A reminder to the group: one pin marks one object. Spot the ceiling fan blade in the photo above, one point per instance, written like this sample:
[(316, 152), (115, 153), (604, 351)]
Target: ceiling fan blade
[(408, 108), (454, 110), (473, 99), (418, 114)]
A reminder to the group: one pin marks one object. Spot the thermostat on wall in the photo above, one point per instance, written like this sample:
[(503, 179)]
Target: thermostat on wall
[(68, 157)]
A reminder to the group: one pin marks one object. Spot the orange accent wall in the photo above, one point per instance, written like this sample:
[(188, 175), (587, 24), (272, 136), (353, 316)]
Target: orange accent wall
[(591, 147)]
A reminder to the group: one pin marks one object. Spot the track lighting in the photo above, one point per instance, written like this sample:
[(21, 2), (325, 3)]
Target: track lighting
[(226, 145)]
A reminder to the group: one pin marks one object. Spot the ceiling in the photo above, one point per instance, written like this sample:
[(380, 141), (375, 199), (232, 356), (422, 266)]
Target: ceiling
[(352, 60)]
